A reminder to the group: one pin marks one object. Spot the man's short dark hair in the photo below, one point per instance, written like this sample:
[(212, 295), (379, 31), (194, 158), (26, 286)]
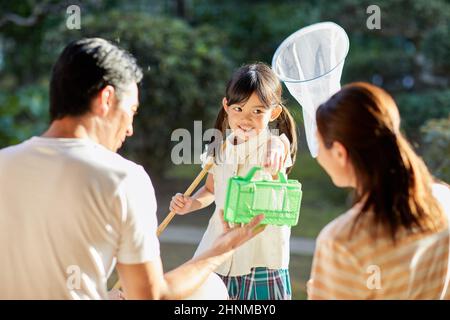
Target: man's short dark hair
[(84, 68)]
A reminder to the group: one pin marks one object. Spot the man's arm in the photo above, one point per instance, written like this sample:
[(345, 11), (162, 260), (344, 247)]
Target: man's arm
[(147, 280)]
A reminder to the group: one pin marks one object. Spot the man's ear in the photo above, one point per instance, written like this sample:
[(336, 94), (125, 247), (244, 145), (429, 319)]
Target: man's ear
[(225, 104), (339, 153), (104, 101), (276, 112)]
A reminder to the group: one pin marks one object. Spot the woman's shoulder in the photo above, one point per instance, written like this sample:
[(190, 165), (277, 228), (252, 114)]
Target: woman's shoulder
[(338, 230), (441, 191)]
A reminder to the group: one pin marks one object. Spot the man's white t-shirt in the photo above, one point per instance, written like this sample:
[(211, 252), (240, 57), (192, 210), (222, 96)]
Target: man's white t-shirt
[(69, 208)]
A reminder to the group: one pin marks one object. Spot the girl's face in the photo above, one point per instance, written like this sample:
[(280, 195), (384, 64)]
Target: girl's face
[(250, 118)]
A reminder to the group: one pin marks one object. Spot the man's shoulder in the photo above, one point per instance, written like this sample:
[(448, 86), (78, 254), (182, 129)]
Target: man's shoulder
[(102, 161), (113, 160), (86, 158), (4, 151)]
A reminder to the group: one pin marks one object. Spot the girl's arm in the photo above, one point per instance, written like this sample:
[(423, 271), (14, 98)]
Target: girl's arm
[(204, 196)]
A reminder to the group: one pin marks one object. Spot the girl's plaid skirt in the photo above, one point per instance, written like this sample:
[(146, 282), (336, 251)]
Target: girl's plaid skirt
[(260, 284)]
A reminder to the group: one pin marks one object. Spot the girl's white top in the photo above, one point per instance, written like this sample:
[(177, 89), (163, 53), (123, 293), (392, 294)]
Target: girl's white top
[(268, 249)]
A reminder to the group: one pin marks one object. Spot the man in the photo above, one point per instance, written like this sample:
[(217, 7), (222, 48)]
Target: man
[(70, 205)]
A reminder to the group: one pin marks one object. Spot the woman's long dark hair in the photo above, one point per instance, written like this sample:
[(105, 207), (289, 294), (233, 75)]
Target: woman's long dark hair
[(392, 181), (259, 78)]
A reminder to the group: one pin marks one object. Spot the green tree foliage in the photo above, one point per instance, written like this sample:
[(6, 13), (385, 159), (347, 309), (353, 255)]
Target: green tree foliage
[(188, 59), (409, 56), (23, 113), (185, 73), (436, 142), (254, 28), (437, 49), (417, 109)]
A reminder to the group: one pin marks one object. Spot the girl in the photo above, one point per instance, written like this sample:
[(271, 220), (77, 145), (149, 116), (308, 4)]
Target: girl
[(259, 268)]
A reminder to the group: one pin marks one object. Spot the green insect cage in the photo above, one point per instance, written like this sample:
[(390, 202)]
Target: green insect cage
[(279, 201)]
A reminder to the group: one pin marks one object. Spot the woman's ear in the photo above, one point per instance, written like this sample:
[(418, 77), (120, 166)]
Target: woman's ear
[(225, 104), (276, 112), (339, 153)]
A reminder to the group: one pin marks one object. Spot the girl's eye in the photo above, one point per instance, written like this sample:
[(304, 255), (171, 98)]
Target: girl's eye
[(258, 111), (238, 109)]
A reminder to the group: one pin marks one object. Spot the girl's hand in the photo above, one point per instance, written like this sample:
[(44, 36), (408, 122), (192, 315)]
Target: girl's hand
[(276, 155), (180, 204)]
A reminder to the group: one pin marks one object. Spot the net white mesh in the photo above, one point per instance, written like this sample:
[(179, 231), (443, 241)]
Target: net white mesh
[(310, 63)]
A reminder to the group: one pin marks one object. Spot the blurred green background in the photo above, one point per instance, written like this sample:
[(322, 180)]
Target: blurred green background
[(188, 49)]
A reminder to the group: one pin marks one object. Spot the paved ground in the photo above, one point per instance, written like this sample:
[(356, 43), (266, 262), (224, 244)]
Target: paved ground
[(186, 234), (178, 244), (180, 239), (174, 254)]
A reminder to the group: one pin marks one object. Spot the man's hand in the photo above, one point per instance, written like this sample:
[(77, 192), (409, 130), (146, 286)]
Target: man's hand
[(116, 294), (234, 237)]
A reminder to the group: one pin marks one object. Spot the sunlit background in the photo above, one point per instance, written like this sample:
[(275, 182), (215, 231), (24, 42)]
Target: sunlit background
[(188, 49)]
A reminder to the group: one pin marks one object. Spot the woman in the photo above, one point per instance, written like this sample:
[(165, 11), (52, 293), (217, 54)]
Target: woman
[(394, 242)]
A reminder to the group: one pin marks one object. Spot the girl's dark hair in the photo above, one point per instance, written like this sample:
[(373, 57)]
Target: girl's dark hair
[(392, 181), (259, 78)]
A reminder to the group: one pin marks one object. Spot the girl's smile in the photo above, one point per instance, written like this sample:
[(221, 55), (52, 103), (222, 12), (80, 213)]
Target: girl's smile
[(249, 118)]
